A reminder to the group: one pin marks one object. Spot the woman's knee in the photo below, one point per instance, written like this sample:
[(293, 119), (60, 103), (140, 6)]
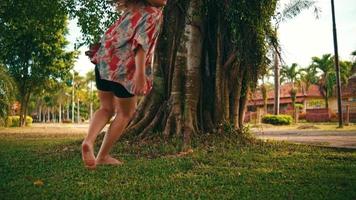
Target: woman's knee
[(108, 111), (125, 115)]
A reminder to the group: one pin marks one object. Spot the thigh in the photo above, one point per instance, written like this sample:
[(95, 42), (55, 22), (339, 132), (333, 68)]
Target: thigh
[(106, 100), (101, 84), (125, 106), (120, 91)]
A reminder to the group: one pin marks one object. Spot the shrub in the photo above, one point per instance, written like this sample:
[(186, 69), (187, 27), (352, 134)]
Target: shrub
[(8, 121), (300, 106), (14, 121), (277, 119), (28, 121)]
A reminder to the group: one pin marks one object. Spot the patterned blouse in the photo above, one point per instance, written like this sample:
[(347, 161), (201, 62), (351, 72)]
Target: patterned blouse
[(115, 57)]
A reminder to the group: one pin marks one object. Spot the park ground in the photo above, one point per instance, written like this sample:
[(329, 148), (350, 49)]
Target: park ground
[(317, 134), (44, 162)]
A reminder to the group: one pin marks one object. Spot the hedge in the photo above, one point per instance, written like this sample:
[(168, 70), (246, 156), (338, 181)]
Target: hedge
[(14, 121), (277, 119)]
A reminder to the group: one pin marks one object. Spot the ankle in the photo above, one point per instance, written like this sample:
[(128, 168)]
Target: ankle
[(88, 142), (102, 157)]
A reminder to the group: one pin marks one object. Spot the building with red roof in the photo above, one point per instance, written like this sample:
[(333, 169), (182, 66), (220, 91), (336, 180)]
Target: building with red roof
[(310, 98)]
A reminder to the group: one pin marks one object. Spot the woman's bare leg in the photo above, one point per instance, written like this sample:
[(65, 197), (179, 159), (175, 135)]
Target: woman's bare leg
[(125, 109), (97, 123)]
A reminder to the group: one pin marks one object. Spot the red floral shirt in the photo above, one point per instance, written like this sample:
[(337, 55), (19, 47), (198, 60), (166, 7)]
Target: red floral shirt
[(115, 57)]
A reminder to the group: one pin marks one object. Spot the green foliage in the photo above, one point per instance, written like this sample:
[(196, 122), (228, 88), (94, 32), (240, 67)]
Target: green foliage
[(327, 81), (345, 71), (299, 105), (32, 43), (308, 76), (14, 121), (294, 8), (290, 73), (277, 119), (8, 91), (248, 24), (28, 120), (93, 17), (325, 66), (8, 121)]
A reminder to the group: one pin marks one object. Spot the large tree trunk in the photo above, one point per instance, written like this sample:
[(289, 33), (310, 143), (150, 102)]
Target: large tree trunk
[(200, 82), (193, 78)]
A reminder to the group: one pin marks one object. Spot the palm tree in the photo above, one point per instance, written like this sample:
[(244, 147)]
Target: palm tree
[(90, 78), (345, 71), (353, 63), (80, 93), (326, 81), (292, 75), (308, 77), (7, 92), (264, 87), (290, 10)]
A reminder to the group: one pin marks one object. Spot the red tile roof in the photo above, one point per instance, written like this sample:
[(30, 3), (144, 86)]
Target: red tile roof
[(313, 91)]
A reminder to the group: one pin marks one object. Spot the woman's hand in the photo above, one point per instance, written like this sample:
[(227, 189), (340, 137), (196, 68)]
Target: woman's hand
[(139, 83), (93, 48)]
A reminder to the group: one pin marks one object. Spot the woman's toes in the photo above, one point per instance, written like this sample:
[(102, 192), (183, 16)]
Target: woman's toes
[(108, 160)]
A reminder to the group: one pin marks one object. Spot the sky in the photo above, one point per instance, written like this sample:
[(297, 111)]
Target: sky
[(301, 38)]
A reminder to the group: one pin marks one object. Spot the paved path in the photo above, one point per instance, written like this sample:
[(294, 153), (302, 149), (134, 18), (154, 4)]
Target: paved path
[(341, 139)]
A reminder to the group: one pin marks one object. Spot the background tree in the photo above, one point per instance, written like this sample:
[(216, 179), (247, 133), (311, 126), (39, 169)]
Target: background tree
[(265, 87), (8, 91), (32, 43), (308, 77), (208, 57), (326, 81), (345, 71), (90, 80), (353, 54), (292, 75), (93, 17)]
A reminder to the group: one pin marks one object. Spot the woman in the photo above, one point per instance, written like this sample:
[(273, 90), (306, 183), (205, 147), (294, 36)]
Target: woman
[(123, 71)]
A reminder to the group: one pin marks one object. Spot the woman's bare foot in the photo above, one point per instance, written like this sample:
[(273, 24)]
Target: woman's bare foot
[(88, 156), (108, 160)]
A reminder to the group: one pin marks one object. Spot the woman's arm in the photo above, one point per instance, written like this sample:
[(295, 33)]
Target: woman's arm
[(139, 82), (140, 58)]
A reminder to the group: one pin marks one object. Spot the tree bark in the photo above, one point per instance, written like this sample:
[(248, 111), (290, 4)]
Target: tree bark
[(193, 78), (277, 83)]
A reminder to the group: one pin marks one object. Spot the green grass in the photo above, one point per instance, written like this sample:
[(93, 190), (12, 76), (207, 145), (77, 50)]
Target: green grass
[(219, 168)]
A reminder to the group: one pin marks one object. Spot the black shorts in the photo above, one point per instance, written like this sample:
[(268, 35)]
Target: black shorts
[(111, 86)]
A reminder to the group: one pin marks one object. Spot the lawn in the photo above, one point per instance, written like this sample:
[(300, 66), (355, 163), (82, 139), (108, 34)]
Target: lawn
[(48, 166)]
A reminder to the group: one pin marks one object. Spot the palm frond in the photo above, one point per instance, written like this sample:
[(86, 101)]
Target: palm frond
[(295, 7)]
